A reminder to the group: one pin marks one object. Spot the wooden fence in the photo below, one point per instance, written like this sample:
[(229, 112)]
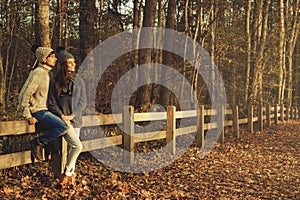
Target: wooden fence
[(265, 116)]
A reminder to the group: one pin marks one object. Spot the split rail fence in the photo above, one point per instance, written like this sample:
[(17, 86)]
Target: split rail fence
[(265, 116)]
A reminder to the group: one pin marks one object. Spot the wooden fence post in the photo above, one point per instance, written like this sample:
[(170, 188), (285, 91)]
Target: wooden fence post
[(235, 121), (276, 114), (57, 149), (268, 115), (295, 112), (298, 114), (287, 112), (58, 161), (282, 112), (200, 132), (171, 129), (128, 143), (222, 120), (261, 117), (250, 118)]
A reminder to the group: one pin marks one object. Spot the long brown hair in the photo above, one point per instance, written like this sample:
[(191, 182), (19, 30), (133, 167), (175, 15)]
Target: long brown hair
[(60, 78)]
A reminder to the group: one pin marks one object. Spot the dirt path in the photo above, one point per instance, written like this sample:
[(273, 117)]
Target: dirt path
[(263, 165)]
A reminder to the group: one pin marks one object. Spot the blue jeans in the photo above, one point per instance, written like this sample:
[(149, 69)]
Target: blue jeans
[(56, 126)]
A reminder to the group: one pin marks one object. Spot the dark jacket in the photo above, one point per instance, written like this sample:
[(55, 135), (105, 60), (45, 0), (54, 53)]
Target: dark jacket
[(72, 99)]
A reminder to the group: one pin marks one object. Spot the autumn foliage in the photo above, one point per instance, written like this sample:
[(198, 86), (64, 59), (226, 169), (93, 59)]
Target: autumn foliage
[(262, 165)]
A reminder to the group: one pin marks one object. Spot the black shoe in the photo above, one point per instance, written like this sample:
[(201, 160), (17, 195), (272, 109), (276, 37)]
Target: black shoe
[(36, 149)]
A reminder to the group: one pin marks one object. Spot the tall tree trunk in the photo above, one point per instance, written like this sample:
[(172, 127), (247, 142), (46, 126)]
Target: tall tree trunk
[(2, 80), (13, 54), (186, 30), (161, 24), (260, 49), (136, 25), (100, 26), (297, 73), (88, 40), (58, 24), (136, 14), (198, 31), (87, 21), (13, 64), (167, 56), (145, 56), (135, 44), (158, 53), (65, 17), (281, 53), (233, 67), (43, 18), (248, 67), (213, 44), (293, 35), (257, 25), (7, 59)]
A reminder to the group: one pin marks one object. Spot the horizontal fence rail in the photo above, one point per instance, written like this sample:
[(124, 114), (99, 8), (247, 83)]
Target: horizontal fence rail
[(264, 116)]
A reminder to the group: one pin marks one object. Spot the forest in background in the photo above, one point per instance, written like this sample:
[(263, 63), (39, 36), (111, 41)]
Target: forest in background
[(254, 43)]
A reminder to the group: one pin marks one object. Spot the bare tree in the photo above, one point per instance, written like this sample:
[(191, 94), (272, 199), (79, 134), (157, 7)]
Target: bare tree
[(136, 14), (248, 67), (145, 55), (281, 85), (213, 17), (2, 80), (296, 62), (136, 24), (294, 24), (259, 45), (86, 26), (101, 27), (57, 35), (43, 19), (257, 29), (87, 43), (167, 57)]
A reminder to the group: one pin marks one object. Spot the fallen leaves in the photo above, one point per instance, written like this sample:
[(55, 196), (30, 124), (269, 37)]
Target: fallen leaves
[(258, 166)]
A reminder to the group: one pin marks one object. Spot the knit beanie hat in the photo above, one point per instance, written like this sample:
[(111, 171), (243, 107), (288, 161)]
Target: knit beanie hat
[(41, 53), (63, 55)]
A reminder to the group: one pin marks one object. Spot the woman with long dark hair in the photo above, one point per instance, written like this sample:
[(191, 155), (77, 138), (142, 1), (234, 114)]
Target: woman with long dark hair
[(67, 99)]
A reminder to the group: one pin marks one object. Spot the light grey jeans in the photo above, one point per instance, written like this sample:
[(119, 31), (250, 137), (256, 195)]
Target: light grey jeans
[(75, 147)]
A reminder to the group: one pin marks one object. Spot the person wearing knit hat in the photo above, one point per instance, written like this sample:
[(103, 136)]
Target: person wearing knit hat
[(67, 100), (63, 55), (33, 101), (41, 53)]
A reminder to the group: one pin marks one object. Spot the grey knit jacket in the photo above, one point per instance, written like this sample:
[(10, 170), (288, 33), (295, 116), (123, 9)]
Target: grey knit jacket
[(72, 99)]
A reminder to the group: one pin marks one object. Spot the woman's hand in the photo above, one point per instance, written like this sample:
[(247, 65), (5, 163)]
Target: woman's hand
[(67, 119)]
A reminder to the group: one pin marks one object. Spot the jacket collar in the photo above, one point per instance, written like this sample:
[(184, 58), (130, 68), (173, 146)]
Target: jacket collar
[(46, 67)]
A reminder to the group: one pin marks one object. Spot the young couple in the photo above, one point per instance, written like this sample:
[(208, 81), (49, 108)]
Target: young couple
[(56, 103)]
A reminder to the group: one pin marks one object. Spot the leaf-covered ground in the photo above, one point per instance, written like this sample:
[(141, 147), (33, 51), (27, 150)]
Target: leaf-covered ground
[(263, 165)]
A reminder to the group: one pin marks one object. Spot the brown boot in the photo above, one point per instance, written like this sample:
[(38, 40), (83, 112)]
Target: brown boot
[(36, 149), (65, 180), (73, 182)]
